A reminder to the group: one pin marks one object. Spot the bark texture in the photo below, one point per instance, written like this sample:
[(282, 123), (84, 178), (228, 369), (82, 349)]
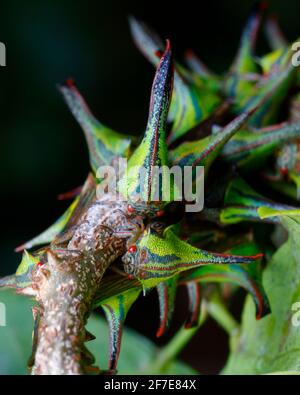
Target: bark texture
[(66, 283)]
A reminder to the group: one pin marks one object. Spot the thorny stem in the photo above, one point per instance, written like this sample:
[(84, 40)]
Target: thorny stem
[(65, 286)]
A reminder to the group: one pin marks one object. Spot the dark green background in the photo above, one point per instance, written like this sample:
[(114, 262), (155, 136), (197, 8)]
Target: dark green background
[(42, 151)]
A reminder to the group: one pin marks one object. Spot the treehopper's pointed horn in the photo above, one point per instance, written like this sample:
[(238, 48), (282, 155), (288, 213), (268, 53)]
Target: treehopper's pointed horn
[(166, 297), (196, 65), (152, 152), (254, 21), (116, 309), (162, 90), (145, 39), (249, 277), (76, 103), (194, 295), (204, 151), (105, 145), (227, 259), (161, 94), (274, 33), (249, 35)]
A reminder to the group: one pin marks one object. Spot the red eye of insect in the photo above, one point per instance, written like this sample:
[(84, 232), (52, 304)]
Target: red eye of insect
[(284, 171), (130, 209), (160, 213), (39, 264), (132, 249)]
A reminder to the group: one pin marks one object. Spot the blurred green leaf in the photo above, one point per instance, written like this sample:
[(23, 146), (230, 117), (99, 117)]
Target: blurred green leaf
[(137, 352), (15, 342), (273, 343), (15, 337)]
